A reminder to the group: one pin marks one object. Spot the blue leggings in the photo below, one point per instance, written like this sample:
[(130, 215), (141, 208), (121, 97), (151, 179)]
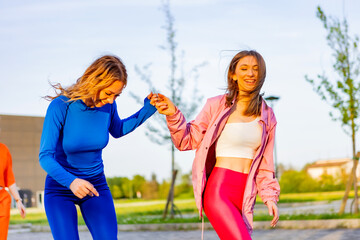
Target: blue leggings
[(98, 212)]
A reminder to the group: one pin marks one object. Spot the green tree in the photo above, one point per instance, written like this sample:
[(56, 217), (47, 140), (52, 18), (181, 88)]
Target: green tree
[(184, 188), (293, 181), (164, 189), (176, 90), (151, 190), (138, 184), (126, 187), (116, 192), (120, 187), (328, 182), (342, 178), (342, 93)]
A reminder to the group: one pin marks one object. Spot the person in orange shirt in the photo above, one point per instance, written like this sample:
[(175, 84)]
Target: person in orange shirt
[(7, 179)]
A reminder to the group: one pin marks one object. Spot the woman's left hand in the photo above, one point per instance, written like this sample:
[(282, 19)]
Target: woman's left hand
[(20, 206), (273, 211)]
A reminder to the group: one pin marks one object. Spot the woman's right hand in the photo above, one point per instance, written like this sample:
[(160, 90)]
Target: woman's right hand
[(164, 105), (81, 188)]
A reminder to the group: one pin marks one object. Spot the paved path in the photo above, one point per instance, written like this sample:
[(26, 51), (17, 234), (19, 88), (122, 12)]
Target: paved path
[(278, 234), (317, 207)]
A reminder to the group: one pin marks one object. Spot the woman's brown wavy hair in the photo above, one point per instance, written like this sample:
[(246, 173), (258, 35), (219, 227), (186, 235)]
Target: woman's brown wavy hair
[(103, 72), (232, 90)]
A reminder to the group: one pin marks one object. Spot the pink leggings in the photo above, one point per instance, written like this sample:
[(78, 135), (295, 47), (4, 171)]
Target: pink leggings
[(223, 199)]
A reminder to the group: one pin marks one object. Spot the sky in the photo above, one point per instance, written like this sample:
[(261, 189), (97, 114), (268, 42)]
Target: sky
[(55, 41)]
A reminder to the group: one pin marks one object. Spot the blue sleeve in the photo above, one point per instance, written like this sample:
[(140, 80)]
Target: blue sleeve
[(53, 123), (120, 127)]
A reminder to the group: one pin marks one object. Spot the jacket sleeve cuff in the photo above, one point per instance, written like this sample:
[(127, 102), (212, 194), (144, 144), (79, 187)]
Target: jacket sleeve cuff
[(174, 117), (268, 198), (268, 186)]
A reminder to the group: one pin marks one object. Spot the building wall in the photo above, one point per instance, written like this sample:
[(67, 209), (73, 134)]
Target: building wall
[(316, 171), (22, 136), (349, 166), (333, 171)]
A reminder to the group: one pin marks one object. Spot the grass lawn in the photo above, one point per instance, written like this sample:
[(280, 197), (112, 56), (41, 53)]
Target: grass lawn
[(311, 197), (150, 211), (128, 212)]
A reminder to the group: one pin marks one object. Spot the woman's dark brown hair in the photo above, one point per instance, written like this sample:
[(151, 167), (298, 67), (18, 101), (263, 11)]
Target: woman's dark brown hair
[(232, 90)]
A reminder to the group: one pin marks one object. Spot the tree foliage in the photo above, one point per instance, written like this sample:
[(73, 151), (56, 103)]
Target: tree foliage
[(293, 181), (341, 91), (123, 187)]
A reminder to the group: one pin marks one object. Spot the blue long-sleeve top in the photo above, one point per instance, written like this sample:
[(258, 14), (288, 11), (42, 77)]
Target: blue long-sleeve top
[(74, 135)]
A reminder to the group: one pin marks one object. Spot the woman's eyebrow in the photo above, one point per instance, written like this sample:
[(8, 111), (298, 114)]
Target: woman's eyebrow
[(244, 64), (114, 93)]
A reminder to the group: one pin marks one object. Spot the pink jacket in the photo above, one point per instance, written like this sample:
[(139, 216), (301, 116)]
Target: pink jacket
[(201, 134)]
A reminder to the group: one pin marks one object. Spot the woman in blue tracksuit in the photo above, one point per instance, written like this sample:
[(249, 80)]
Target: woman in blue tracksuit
[(76, 129)]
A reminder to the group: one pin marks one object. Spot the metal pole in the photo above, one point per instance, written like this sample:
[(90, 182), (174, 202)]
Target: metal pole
[(272, 100)]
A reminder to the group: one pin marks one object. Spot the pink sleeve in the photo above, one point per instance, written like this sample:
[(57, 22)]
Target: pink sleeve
[(267, 185), (188, 136)]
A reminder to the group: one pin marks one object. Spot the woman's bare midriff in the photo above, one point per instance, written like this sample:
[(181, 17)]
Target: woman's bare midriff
[(233, 163)]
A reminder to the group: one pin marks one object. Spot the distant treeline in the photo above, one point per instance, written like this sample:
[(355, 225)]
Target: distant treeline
[(293, 181), (140, 187)]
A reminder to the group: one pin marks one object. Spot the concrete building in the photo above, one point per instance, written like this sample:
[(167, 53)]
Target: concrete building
[(22, 136), (334, 167)]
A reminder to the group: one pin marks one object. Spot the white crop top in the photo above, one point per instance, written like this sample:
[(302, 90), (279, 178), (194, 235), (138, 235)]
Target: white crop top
[(240, 140)]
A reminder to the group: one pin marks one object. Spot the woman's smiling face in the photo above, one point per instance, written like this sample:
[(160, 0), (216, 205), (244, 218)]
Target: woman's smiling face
[(109, 94), (246, 74)]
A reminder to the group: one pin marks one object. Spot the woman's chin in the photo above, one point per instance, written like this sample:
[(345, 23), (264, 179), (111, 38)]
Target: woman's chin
[(100, 104)]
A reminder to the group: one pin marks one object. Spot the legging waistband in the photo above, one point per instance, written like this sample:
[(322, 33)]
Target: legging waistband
[(228, 175), (99, 182)]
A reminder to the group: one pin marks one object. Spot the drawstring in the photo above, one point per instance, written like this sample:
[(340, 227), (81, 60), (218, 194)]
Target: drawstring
[(202, 228)]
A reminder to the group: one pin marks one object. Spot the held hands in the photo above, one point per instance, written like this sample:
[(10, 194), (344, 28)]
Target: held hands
[(150, 96), (273, 211), (81, 188), (163, 104)]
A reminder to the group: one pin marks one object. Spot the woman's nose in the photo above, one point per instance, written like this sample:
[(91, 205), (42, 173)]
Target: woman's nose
[(251, 72), (111, 100)]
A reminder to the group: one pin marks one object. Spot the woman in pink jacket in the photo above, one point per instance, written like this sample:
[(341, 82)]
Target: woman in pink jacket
[(234, 138)]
